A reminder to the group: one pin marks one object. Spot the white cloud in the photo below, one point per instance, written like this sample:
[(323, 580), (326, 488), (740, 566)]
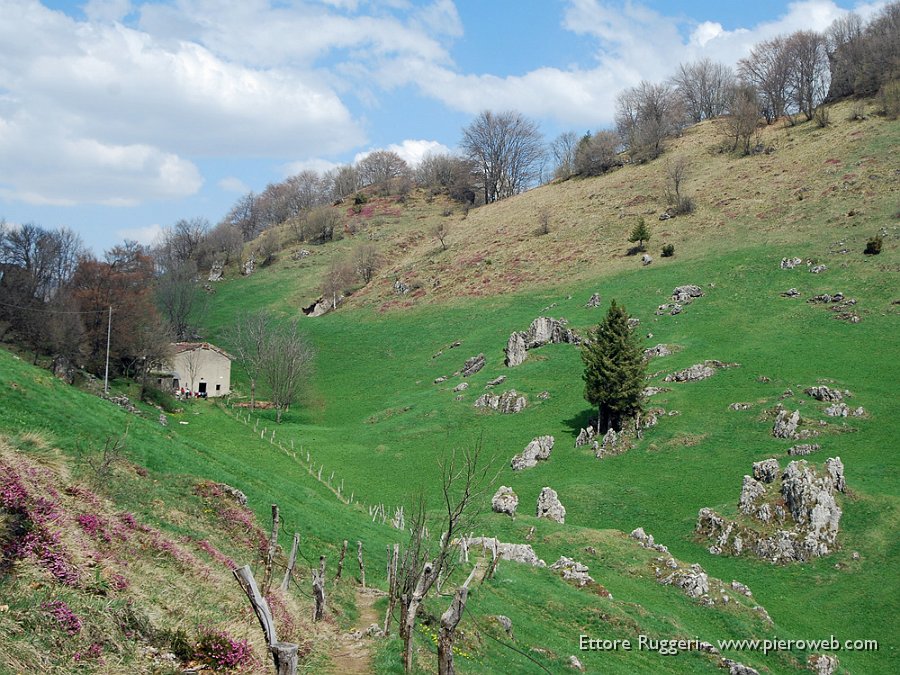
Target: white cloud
[(315, 164), (234, 184), (107, 10), (148, 235)]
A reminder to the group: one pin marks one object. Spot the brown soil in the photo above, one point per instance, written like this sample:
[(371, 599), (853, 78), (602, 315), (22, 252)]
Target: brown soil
[(353, 650)]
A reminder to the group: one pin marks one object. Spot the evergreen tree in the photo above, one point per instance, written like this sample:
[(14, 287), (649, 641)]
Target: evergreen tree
[(614, 370), (640, 234)]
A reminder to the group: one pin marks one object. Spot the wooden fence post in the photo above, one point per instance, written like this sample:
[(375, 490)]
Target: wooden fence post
[(286, 582), (362, 567), (284, 654), (340, 570), (271, 551), (319, 590), (393, 560)]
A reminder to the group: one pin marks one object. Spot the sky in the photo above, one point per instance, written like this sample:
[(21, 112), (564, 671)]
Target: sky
[(120, 117)]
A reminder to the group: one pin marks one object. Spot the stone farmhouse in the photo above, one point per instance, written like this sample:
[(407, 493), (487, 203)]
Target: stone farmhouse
[(199, 367)]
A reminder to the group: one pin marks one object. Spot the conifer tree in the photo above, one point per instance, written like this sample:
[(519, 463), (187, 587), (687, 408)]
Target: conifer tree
[(640, 234), (614, 370)]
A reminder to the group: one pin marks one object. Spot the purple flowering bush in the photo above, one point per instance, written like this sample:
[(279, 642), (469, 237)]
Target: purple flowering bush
[(63, 615), (219, 651)]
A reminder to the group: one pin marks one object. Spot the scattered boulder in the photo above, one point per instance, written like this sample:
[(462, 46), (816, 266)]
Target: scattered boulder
[(786, 424), (823, 664), (216, 271), (505, 500), (505, 623), (646, 540), (817, 269), (827, 394), (473, 365), (549, 506), (318, 308), (63, 369), (585, 437), (163, 420), (658, 350), (633, 322), (837, 410), (735, 668), (508, 402), (400, 288), (575, 663), (751, 491), (520, 553), (594, 301), (462, 386), (699, 371), (650, 391), (684, 295), (496, 381), (516, 350), (803, 449), (573, 570), (537, 450), (739, 406), (835, 468), (234, 493), (646, 259), (693, 580), (790, 263), (544, 330), (249, 267), (790, 293)]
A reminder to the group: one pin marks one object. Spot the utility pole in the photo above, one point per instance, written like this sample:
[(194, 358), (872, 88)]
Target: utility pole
[(108, 336)]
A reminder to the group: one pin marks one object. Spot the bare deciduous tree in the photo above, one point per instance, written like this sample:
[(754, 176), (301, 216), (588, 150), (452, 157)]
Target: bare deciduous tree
[(768, 68), (598, 153), (179, 298), (248, 338), (337, 277), (743, 115), (441, 230), (677, 173), (508, 149), (380, 168), (564, 148), (366, 261), (285, 364), (645, 116), (810, 74), (704, 87)]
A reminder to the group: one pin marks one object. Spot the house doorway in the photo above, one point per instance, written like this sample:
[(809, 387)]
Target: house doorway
[(202, 388)]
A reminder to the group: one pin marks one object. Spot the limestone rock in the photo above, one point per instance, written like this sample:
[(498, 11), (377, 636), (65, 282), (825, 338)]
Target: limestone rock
[(650, 391), (837, 410), (438, 380), (693, 581), (505, 623), (572, 570), (462, 386), (594, 301), (684, 295), (508, 402), (766, 471), (545, 330), (817, 269), (735, 668), (585, 437), (63, 369), (824, 394), (400, 288), (835, 468), (786, 424), (496, 381), (505, 501), (234, 493), (658, 350), (473, 365), (163, 420), (751, 491), (216, 271), (790, 263), (803, 449), (823, 664), (249, 267), (516, 350), (575, 663), (537, 450), (698, 371), (739, 406), (646, 259), (791, 293), (549, 506), (520, 553)]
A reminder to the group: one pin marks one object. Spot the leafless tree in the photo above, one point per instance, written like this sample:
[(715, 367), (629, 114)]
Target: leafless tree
[(740, 123), (335, 280), (179, 297), (677, 173), (248, 338), (507, 148), (704, 87), (320, 224), (598, 153), (223, 244), (845, 44), (441, 230), (382, 168), (563, 148), (366, 261), (245, 216), (768, 68), (181, 242), (464, 479), (285, 364), (810, 74), (342, 181), (645, 116)]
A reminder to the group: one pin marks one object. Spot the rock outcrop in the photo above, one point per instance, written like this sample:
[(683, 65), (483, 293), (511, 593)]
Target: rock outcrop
[(699, 371), (827, 394), (594, 301), (549, 506), (646, 259), (216, 271), (537, 450), (803, 449), (572, 570), (508, 402), (802, 509), (473, 365), (585, 437), (542, 331), (684, 295), (786, 424), (790, 263), (249, 267), (520, 553), (658, 350), (505, 500)]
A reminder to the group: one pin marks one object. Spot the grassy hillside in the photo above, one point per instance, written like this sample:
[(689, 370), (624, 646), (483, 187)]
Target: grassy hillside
[(374, 422)]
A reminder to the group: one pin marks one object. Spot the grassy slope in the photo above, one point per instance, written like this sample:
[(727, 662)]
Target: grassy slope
[(373, 411)]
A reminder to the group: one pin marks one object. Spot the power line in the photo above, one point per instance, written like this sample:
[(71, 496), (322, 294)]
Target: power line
[(54, 311)]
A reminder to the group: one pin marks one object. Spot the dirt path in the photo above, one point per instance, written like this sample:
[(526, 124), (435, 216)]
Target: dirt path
[(353, 649)]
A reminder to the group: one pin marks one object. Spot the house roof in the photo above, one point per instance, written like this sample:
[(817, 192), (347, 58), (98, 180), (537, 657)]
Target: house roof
[(181, 347)]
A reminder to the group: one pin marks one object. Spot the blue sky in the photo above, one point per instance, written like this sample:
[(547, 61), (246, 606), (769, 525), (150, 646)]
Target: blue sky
[(119, 117)]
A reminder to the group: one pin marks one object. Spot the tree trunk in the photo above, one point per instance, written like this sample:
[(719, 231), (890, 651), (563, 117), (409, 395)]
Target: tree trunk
[(319, 590), (271, 551), (418, 595), (252, 393), (393, 559), (286, 582), (284, 654), (449, 621), (340, 569), (362, 567)]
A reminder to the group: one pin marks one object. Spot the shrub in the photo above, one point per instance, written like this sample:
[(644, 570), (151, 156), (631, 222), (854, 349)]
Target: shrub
[(360, 198), (873, 246), (158, 397), (668, 250), (219, 651)]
